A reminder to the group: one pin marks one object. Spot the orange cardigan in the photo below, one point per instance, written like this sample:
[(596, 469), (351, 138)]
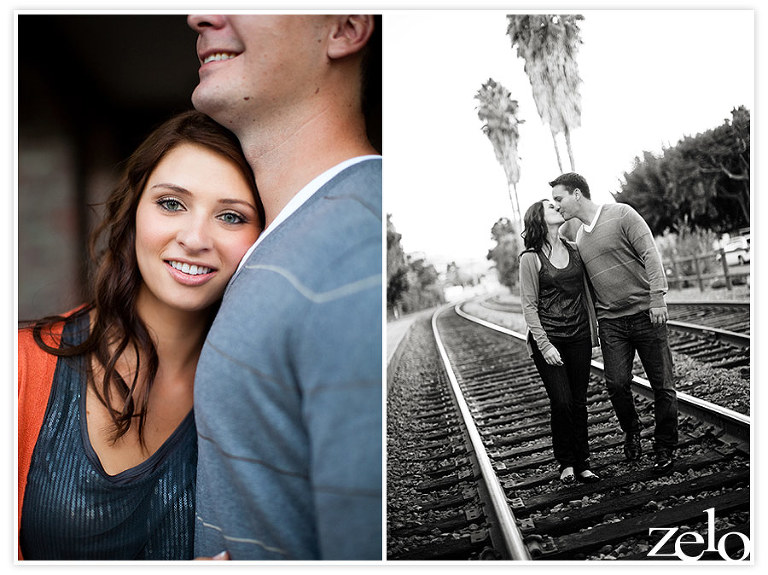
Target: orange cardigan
[(36, 369)]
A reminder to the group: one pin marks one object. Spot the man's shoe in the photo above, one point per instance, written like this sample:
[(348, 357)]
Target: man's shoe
[(664, 461), (632, 447)]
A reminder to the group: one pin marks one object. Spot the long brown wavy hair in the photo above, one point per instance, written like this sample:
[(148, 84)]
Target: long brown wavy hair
[(115, 278), (535, 227)]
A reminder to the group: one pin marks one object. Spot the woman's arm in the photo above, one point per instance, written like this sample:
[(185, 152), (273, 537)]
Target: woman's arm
[(35, 375), (529, 299)]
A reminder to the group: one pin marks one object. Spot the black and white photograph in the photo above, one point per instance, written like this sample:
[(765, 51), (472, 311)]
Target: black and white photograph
[(569, 285)]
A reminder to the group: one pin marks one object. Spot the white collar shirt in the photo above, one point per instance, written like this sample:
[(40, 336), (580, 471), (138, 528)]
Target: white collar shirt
[(591, 226), (298, 200)]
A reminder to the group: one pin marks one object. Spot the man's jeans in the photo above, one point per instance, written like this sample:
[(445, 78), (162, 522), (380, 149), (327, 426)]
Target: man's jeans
[(619, 339)]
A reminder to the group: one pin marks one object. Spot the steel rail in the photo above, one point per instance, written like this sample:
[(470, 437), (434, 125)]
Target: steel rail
[(712, 303), (723, 335), (512, 537), (736, 425)]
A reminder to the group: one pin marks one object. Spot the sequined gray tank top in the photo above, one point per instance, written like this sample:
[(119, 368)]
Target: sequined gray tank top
[(74, 510), (562, 307)]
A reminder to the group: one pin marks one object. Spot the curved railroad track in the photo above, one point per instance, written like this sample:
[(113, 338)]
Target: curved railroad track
[(482, 482)]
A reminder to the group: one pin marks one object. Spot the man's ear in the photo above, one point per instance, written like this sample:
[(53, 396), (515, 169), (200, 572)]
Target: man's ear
[(349, 34)]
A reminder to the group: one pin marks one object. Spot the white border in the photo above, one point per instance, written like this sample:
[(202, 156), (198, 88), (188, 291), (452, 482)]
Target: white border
[(7, 349)]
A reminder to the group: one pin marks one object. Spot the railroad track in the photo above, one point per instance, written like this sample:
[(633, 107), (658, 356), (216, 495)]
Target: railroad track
[(733, 316), (717, 333), (728, 316), (485, 484)]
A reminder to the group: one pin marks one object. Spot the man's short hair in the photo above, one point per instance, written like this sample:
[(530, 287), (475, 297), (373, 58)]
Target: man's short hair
[(571, 181)]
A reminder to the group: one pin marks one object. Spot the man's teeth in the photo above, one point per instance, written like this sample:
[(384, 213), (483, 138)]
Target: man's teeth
[(218, 56), (192, 270)]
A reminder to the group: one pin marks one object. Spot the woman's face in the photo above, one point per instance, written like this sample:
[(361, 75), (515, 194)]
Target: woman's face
[(195, 220), (551, 214)]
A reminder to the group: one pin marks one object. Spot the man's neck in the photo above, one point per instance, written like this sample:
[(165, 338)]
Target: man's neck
[(588, 211), (286, 158)]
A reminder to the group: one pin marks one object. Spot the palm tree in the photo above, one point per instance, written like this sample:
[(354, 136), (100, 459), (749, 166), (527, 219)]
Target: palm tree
[(498, 111), (548, 44)]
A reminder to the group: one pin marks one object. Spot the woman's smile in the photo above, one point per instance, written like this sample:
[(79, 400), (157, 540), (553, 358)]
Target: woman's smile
[(191, 269), (190, 275)]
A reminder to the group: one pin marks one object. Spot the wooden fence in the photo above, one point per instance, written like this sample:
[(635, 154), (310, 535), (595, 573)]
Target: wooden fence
[(701, 269)]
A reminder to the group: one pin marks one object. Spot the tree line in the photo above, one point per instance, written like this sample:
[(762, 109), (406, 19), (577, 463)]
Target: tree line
[(412, 282), (701, 182)]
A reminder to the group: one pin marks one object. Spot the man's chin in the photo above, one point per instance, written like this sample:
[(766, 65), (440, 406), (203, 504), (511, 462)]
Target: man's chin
[(199, 100), (208, 103)]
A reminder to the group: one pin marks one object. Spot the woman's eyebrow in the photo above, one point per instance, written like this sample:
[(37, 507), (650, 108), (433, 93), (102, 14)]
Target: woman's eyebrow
[(230, 201), (174, 187)]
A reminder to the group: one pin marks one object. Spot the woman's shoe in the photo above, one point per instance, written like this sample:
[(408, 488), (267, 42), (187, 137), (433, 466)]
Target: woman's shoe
[(566, 475), (587, 476)]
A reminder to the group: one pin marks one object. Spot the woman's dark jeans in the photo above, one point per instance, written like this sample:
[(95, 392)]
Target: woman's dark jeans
[(566, 387), (619, 339)]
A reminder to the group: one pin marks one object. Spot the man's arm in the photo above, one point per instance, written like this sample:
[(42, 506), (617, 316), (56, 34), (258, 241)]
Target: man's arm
[(342, 407), (641, 239)]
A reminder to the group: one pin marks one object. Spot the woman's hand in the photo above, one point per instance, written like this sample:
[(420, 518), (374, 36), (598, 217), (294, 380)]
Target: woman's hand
[(552, 356)]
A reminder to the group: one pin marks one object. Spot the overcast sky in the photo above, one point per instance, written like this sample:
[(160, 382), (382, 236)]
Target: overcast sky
[(649, 79)]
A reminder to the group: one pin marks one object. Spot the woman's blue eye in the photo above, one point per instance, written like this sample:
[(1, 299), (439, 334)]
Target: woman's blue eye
[(231, 218), (170, 204)]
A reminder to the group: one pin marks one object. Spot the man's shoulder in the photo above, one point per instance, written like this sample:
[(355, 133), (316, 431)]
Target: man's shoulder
[(619, 209), (362, 178), (348, 207), (333, 239), (628, 218), (360, 167), (613, 215)]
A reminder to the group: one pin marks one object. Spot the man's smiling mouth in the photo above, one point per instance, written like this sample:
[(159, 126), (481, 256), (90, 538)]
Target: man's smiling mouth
[(219, 56)]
